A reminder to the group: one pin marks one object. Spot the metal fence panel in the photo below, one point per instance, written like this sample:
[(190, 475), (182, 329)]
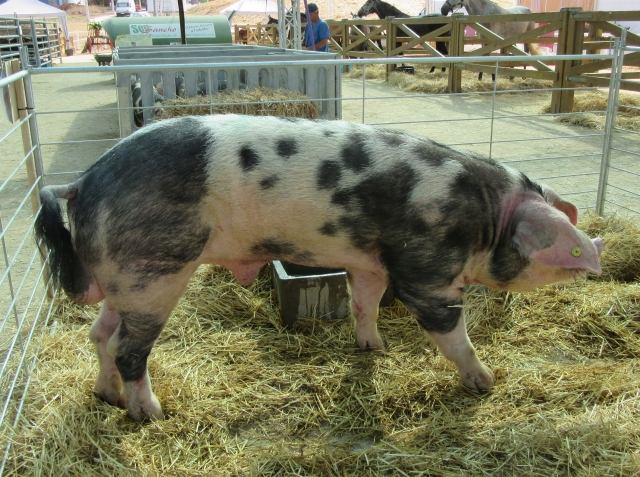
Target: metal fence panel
[(72, 131)]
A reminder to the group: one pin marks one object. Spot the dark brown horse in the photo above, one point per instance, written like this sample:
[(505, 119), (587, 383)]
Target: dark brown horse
[(384, 10)]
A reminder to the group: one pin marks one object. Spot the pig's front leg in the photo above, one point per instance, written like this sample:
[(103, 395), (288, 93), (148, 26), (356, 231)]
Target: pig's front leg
[(367, 289), (456, 346), (439, 313)]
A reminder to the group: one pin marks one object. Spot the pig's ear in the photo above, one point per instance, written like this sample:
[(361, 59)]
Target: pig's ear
[(544, 234), (567, 208)]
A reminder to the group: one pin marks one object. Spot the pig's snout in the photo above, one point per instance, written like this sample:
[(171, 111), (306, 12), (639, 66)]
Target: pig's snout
[(595, 266), (597, 242)]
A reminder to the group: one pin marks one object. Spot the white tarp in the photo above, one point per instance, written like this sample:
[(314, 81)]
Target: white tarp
[(36, 10), (251, 7), (620, 5)]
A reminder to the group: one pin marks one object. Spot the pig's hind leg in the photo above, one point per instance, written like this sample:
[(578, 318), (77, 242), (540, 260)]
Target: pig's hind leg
[(367, 289), (108, 385), (144, 310)]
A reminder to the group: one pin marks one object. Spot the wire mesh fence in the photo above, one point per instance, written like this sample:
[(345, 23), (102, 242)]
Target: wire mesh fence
[(620, 171), (77, 119)]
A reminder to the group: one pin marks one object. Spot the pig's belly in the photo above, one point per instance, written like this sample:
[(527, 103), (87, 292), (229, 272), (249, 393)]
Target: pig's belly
[(234, 253)]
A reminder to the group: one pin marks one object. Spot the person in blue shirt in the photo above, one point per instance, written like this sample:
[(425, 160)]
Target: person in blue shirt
[(320, 30)]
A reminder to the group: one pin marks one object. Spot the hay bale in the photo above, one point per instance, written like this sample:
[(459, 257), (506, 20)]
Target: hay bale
[(244, 396), (255, 101)]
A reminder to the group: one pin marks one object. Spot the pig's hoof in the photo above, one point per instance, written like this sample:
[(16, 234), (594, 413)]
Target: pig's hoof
[(111, 396), (372, 343), (479, 379), (150, 410)]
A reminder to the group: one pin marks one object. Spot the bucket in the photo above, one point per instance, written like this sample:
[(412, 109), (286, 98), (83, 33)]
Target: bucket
[(405, 69)]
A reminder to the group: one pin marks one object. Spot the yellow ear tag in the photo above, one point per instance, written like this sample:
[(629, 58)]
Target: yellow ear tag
[(576, 251)]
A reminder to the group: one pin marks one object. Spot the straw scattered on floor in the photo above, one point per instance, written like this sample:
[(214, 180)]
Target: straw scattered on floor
[(589, 109), (422, 81), (243, 396)]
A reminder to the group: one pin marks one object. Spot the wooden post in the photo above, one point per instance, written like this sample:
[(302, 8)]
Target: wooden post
[(595, 34), (576, 46), (21, 103), (456, 49), (568, 44), (391, 43), (345, 37), (32, 176)]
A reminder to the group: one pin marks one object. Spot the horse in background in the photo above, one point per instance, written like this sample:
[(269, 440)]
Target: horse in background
[(384, 10), (502, 29), (366, 30)]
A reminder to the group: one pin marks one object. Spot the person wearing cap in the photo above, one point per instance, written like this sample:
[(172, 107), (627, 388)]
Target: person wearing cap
[(320, 30)]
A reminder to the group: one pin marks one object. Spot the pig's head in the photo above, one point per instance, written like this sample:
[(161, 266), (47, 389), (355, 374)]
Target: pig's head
[(551, 248)]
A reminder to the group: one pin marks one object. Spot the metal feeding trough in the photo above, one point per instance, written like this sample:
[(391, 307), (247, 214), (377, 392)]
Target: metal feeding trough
[(310, 291), (406, 69)]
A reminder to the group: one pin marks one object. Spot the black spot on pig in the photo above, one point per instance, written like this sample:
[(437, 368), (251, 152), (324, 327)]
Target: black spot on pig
[(150, 202), (287, 147), (273, 247), (507, 262), (329, 228), (437, 315), (329, 175), (392, 139), (137, 333), (432, 153), (249, 158), (378, 206), (343, 198), (269, 182), (354, 154), (473, 206)]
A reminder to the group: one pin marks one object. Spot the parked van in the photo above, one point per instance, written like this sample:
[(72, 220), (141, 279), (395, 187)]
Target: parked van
[(125, 8)]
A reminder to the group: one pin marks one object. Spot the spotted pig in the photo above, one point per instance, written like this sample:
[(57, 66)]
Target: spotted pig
[(241, 191)]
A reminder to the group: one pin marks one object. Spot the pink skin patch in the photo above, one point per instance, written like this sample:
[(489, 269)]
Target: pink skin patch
[(244, 271)]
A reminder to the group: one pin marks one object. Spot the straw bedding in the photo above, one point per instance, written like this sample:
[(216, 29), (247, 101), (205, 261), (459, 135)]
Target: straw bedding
[(254, 101), (243, 396)]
